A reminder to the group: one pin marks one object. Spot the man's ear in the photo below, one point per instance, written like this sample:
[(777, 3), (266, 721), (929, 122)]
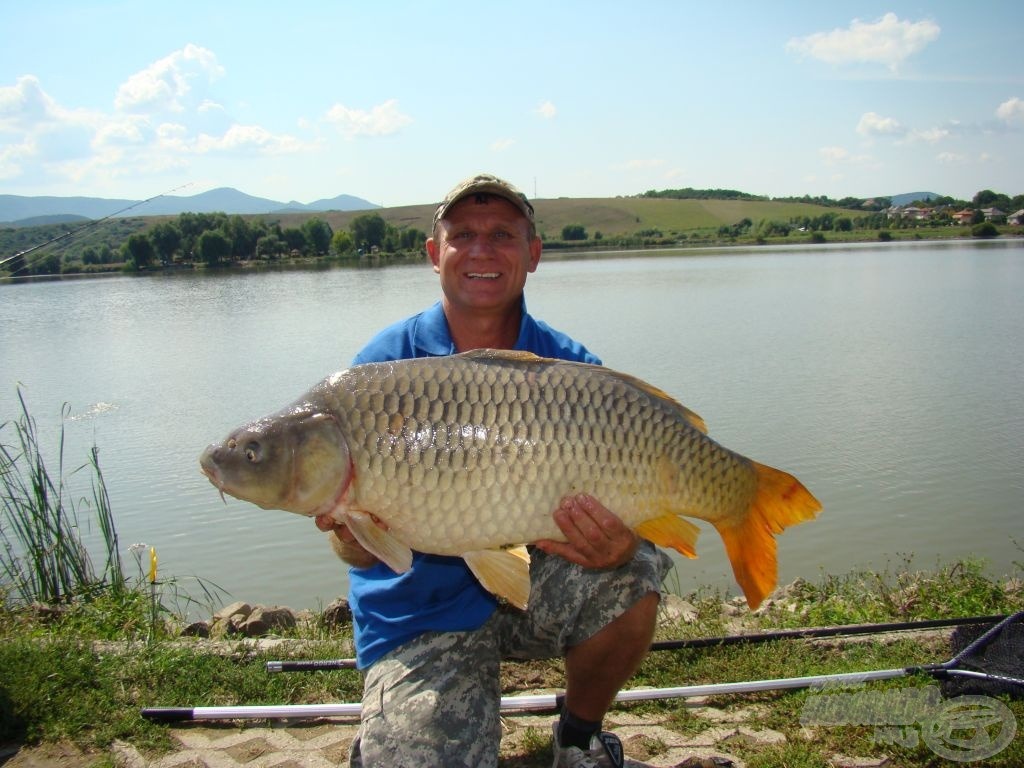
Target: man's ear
[(434, 253), (536, 246)]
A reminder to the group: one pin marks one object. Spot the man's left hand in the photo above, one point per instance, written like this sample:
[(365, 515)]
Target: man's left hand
[(596, 537)]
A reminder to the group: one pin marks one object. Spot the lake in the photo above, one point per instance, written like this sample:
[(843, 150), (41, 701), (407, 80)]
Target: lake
[(888, 377)]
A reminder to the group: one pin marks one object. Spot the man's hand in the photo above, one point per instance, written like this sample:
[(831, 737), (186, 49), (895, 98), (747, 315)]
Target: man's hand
[(597, 538), (344, 542)]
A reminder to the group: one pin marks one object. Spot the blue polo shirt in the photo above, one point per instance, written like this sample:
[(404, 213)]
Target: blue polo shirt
[(437, 593)]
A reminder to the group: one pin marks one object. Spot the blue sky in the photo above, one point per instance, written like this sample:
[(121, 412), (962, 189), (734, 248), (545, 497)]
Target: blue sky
[(396, 101)]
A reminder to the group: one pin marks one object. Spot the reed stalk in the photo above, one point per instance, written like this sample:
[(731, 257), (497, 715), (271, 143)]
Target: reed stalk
[(43, 558)]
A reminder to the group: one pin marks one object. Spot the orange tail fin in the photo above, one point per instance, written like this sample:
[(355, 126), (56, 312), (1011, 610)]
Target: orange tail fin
[(780, 501)]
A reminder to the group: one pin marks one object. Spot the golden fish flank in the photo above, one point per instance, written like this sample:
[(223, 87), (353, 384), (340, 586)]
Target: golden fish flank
[(469, 455)]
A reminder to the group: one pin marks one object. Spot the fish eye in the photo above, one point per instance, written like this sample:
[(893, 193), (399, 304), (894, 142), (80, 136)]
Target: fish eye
[(252, 452), (232, 443)]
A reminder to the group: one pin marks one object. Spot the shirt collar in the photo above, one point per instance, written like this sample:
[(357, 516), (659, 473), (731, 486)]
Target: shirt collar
[(432, 337)]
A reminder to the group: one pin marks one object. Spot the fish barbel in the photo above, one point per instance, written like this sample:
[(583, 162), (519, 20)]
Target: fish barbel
[(469, 455)]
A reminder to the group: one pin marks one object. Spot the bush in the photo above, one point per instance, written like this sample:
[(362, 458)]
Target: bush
[(985, 229)]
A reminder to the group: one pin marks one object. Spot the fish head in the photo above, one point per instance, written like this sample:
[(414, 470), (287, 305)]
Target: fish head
[(296, 460)]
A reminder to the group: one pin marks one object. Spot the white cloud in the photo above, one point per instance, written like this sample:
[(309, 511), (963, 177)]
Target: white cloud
[(209, 105), (833, 154), (164, 83), (951, 158), (245, 138), (13, 155), (841, 156), (930, 135), (873, 124), (546, 110), (500, 145), (26, 108), (118, 132), (381, 120), (887, 41), (1011, 111)]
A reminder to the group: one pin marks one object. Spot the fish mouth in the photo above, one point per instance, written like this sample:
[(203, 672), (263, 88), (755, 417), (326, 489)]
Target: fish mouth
[(209, 469)]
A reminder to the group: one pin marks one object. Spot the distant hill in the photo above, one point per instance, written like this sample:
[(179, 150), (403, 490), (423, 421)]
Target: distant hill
[(909, 197), (16, 209), (58, 218)]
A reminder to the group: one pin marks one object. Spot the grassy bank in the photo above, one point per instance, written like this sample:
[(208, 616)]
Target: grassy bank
[(60, 684)]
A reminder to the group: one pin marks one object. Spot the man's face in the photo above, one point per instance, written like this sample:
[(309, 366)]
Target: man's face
[(483, 251)]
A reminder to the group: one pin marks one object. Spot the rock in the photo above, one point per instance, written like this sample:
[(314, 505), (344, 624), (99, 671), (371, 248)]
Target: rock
[(197, 629), (844, 761), (337, 613), (263, 620), (238, 608), (675, 610)]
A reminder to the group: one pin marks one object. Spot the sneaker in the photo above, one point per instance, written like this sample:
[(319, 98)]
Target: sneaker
[(605, 752)]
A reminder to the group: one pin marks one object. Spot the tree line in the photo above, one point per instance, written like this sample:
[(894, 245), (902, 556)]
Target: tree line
[(217, 239), (986, 198)]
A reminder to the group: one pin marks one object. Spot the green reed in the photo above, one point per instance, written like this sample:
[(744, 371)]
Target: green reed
[(42, 555)]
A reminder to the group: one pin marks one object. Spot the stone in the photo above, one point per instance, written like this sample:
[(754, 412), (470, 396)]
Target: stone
[(263, 620), (337, 613)]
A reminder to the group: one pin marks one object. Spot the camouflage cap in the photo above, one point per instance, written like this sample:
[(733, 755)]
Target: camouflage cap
[(484, 184)]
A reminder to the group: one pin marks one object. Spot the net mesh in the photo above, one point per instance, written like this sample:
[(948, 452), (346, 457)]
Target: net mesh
[(1000, 656)]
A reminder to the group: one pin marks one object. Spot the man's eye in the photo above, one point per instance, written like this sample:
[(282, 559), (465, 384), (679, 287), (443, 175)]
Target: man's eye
[(501, 235)]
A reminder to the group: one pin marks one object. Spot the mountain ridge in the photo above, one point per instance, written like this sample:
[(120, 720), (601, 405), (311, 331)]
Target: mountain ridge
[(20, 210)]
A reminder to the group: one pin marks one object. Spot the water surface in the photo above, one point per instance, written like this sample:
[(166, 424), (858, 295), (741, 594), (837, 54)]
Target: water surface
[(888, 378)]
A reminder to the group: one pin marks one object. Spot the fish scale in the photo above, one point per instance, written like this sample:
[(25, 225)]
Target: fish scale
[(469, 455)]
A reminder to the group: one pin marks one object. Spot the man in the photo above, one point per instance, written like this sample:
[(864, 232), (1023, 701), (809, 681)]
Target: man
[(430, 640)]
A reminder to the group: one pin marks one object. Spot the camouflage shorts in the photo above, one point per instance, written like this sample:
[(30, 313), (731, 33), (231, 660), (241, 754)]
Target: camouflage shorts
[(435, 700)]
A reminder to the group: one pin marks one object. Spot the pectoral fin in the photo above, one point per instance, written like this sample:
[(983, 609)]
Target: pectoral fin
[(671, 531), (503, 572), (378, 542)]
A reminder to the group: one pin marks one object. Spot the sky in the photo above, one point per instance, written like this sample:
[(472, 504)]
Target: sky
[(395, 102)]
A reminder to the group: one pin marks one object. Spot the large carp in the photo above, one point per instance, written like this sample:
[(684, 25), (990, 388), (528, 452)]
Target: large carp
[(469, 455)]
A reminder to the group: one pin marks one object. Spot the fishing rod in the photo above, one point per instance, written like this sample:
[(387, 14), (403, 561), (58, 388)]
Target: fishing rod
[(553, 701), (87, 225), (321, 665)]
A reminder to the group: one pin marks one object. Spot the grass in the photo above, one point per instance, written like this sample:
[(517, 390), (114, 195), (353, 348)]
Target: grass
[(60, 685)]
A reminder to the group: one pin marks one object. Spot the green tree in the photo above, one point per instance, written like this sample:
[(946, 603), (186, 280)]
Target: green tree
[(318, 235), (90, 256), (214, 247), (368, 230), (166, 238), (138, 252), (269, 247), (243, 236), (295, 239), (574, 232), (341, 243)]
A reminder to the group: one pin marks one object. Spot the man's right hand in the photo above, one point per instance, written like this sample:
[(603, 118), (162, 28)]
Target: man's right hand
[(344, 543)]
